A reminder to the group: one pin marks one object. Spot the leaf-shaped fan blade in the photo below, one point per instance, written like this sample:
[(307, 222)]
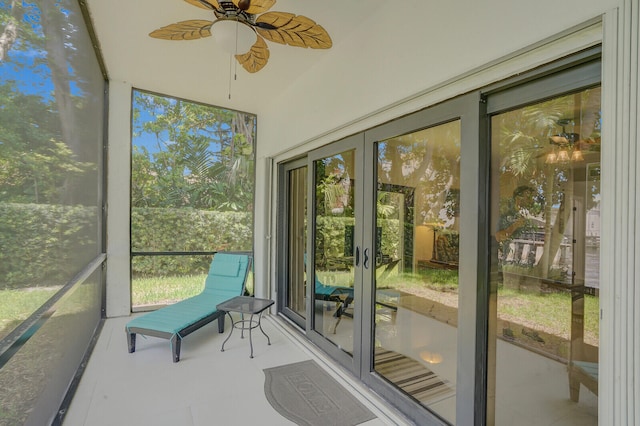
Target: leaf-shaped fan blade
[(255, 6), (185, 30), (256, 58), (294, 30), (204, 4)]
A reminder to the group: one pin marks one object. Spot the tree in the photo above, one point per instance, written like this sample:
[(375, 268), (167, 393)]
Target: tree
[(428, 160), (44, 154), (191, 155)]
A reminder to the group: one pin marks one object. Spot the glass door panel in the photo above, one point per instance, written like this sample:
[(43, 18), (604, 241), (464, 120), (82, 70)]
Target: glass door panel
[(544, 314), (417, 254), (334, 248), (297, 238)]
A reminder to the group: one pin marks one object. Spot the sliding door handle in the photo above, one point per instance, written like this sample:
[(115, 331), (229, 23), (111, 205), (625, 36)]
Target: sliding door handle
[(357, 256), (365, 263)]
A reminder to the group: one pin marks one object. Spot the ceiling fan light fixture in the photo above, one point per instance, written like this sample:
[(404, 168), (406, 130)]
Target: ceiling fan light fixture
[(242, 27), (563, 156), (576, 156), (233, 36)]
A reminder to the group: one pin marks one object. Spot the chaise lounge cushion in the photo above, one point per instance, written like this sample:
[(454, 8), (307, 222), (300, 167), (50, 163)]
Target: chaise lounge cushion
[(226, 279)]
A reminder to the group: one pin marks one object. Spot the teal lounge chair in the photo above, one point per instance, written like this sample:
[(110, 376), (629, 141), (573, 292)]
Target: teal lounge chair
[(226, 279), (341, 296)]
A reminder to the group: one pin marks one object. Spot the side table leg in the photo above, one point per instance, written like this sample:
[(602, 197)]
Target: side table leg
[(260, 325), (250, 340), (230, 332)]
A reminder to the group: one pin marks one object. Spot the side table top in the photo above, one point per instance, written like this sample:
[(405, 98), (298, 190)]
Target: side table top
[(245, 305)]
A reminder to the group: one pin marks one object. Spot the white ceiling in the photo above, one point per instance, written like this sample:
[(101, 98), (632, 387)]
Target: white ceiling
[(198, 69)]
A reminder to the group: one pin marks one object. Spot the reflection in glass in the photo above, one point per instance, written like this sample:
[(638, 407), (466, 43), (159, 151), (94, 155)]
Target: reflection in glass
[(334, 249), (543, 347), (297, 232), (416, 291)]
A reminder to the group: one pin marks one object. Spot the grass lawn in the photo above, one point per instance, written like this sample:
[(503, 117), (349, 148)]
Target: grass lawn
[(166, 290), (17, 305), (549, 311)]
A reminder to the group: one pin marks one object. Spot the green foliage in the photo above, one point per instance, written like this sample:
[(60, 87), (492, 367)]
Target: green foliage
[(548, 311), (17, 305), (165, 290), (332, 238), (536, 195), (434, 279), (35, 165), (161, 290), (157, 230), (38, 241), (191, 155), (448, 246)]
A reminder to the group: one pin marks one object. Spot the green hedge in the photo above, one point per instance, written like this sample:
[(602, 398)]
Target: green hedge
[(41, 243), (161, 229), (333, 239), (38, 241)]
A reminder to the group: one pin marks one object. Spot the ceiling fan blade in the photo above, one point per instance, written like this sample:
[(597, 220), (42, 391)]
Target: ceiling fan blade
[(293, 30), (254, 6), (204, 4), (184, 30), (256, 58)]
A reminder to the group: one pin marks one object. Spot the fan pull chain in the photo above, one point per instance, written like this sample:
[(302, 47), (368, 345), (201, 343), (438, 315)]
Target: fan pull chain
[(230, 65), (235, 68), (231, 61)]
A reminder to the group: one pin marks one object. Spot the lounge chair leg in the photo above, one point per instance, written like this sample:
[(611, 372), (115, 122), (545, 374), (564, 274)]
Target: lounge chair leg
[(221, 323), (335, 327), (131, 340), (175, 346)]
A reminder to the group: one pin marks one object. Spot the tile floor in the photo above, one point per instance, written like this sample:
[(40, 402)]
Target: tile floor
[(210, 387), (206, 387)]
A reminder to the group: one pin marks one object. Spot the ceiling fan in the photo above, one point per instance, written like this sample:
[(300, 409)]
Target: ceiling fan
[(243, 25)]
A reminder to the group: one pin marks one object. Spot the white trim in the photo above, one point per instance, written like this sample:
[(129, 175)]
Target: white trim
[(607, 216), (620, 264), (263, 230)]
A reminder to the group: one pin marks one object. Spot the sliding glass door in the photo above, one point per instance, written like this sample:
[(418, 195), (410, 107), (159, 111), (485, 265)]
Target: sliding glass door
[(452, 255), (425, 227), (417, 262), (381, 272), (292, 297), (336, 252), (544, 306)]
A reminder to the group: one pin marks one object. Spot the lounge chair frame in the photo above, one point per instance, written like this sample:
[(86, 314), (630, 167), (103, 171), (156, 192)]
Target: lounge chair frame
[(175, 337)]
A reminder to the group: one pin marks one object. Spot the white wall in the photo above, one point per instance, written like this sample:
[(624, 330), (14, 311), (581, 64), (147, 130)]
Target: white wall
[(118, 200), (405, 48)]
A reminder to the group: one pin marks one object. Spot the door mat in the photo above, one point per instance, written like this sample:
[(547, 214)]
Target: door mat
[(307, 395)]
